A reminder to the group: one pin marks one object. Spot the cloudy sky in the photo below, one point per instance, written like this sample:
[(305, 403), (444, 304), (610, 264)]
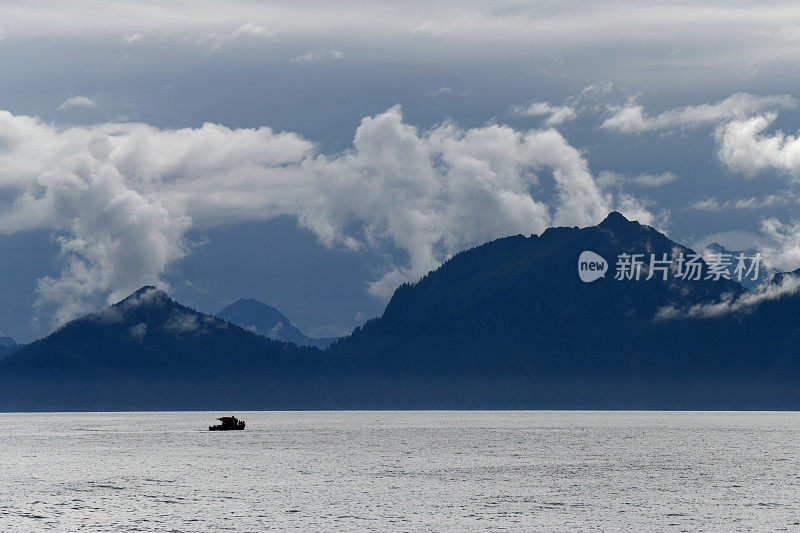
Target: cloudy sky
[(316, 155)]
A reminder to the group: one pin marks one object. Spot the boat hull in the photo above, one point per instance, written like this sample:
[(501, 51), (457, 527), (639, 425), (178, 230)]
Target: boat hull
[(237, 427)]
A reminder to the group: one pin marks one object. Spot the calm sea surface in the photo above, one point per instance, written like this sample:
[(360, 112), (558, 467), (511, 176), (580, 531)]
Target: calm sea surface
[(379, 471)]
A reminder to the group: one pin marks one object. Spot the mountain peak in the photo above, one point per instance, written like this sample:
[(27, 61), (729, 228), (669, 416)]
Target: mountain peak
[(715, 247), (7, 342), (614, 219), (263, 319), (146, 289), (149, 294), (252, 302)]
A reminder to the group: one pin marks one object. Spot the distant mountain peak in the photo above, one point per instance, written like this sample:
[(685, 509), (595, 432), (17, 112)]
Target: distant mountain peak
[(7, 342), (266, 320), (715, 247), (7, 346), (251, 301)]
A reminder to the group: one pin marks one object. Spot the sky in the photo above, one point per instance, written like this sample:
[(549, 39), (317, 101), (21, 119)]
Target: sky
[(316, 155)]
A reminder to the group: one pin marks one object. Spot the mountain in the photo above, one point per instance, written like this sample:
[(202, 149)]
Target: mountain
[(265, 320), (148, 351), (548, 322), (512, 323)]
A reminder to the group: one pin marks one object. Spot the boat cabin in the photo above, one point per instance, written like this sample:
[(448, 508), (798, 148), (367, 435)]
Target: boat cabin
[(226, 423)]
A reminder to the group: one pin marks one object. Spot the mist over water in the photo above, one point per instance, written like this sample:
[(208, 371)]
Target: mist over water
[(382, 471)]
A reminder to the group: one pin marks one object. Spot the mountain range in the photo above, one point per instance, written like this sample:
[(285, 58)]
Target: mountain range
[(508, 324)]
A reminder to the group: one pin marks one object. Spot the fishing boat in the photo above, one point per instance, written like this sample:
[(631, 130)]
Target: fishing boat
[(227, 423)]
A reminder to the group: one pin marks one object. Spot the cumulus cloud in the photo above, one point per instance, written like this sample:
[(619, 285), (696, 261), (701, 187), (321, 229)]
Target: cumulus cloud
[(316, 56), (219, 39), (632, 118), (554, 114), (77, 101), (744, 146), (785, 253), (120, 197)]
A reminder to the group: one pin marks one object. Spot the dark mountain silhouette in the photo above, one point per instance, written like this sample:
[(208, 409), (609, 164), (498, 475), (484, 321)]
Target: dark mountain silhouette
[(514, 313), (508, 324), (520, 299), (265, 320), (147, 352), (148, 334)]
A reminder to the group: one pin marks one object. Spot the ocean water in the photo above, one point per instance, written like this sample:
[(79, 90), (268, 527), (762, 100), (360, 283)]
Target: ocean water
[(401, 471)]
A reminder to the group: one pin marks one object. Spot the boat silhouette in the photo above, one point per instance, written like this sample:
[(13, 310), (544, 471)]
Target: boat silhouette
[(227, 423)]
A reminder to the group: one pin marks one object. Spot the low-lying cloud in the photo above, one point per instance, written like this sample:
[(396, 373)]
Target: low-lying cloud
[(746, 302), (120, 197)]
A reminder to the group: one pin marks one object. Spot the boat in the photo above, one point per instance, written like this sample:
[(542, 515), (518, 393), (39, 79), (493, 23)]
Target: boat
[(227, 423)]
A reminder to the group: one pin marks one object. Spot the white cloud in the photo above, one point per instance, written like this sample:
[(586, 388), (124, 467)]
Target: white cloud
[(430, 28), (315, 56), (441, 91), (733, 36), (219, 39), (712, 204), (592, 99), (120, 197), (654, 180), (709, 204), (555, 114), (138, 331), (608, 178), (77, 101), (631, 118), (131, 38), (785, 253), (744, 147)]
